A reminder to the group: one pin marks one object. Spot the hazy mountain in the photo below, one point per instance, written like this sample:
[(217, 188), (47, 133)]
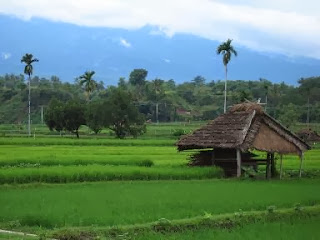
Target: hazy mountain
[(68, 50)]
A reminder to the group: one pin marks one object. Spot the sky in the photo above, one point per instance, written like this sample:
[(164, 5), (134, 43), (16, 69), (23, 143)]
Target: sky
[(289, 27)]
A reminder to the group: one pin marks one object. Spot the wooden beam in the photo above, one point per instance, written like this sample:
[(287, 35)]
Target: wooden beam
[(280, 166), (301, 160), (238, 163)]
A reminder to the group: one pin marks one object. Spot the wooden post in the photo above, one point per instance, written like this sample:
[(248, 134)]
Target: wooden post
[(238, 163), (273, 166), (280, 166), (301, 160), (268, 166)]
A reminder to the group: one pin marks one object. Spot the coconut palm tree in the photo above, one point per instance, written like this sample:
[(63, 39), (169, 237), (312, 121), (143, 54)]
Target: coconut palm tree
[(28, 70), (88, 83), (226, 49)]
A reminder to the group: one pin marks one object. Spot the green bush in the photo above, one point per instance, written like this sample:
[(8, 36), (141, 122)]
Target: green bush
[(179, 132)]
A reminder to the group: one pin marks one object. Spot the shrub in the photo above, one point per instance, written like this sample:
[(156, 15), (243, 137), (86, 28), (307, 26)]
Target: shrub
[(179, 132), (271, 209)]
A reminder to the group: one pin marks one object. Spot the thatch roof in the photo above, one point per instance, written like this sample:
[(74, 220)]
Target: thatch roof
[(308, 135), (246, 126)]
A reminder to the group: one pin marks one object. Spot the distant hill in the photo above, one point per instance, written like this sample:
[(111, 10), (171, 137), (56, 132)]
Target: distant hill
[(68, 50)]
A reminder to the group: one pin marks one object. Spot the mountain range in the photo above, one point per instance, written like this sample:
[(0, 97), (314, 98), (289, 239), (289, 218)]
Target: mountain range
[(68, 50)]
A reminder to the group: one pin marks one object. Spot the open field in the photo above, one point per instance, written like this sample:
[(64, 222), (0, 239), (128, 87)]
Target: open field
[(61, 160), (104, 182), (119, 203)]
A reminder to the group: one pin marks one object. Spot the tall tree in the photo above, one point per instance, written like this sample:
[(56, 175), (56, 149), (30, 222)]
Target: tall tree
[(226, 49), (68, 116), (137, 79), (28, 70), (121, 115), (88, 83)]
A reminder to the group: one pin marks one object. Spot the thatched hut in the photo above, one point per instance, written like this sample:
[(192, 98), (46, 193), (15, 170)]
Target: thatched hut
[(308, 135), (244, 127)]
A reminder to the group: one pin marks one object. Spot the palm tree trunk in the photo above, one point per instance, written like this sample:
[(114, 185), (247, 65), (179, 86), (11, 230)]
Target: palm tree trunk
[(29, 108), (225, 91)]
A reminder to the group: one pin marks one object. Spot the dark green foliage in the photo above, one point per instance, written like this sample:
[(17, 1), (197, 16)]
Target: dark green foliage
[(67, 116), (226, 49), (122, 116), (88, 83), (146, 163), (289, 115), (28, 60), (93, 116), (204, 101), (138, 77), (179, 132)]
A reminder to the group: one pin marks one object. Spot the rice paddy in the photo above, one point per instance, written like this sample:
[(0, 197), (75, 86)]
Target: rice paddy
[(49, 183)]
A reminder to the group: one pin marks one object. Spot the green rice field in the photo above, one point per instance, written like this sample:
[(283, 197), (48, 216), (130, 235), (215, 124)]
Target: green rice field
[(54, 184), (121, 203)]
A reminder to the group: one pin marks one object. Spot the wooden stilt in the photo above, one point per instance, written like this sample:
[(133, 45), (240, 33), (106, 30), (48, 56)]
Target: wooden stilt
[(280, 166), (238, 163), (268, 166), (301, 160), (273, 166)]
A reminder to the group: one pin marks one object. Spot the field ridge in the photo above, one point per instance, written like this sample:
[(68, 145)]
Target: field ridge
[(217, 221)]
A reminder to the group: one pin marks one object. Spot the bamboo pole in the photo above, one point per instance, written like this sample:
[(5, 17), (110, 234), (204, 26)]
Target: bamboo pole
[(280, 166), (238, 163), (301, 160)]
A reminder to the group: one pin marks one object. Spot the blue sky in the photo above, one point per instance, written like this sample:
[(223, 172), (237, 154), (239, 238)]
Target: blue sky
[(289, 27)]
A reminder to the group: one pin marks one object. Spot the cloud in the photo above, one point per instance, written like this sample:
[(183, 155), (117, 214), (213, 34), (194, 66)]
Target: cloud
[(124, 43), (5, 56), (290, 27), (167, 60)]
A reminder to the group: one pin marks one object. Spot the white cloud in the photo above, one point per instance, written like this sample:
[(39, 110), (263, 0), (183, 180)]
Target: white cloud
[(167, 60), (5, 56), (291, 27), (124, 43)]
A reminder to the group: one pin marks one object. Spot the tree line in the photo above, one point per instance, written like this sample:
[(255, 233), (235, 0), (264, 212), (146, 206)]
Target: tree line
[(158, 99)]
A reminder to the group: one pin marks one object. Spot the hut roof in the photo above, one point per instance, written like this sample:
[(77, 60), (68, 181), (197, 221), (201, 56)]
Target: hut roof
[(246, 126)]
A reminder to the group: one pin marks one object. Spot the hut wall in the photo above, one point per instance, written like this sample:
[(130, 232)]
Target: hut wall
[(268, 140), (225, 153), (227, 160)]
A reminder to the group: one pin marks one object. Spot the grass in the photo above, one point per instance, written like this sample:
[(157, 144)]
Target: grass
[(292, 229), (13, 155), (121, 203), (55, 140), (130, 161), (16, 237), (71, 204), (66, 174)]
